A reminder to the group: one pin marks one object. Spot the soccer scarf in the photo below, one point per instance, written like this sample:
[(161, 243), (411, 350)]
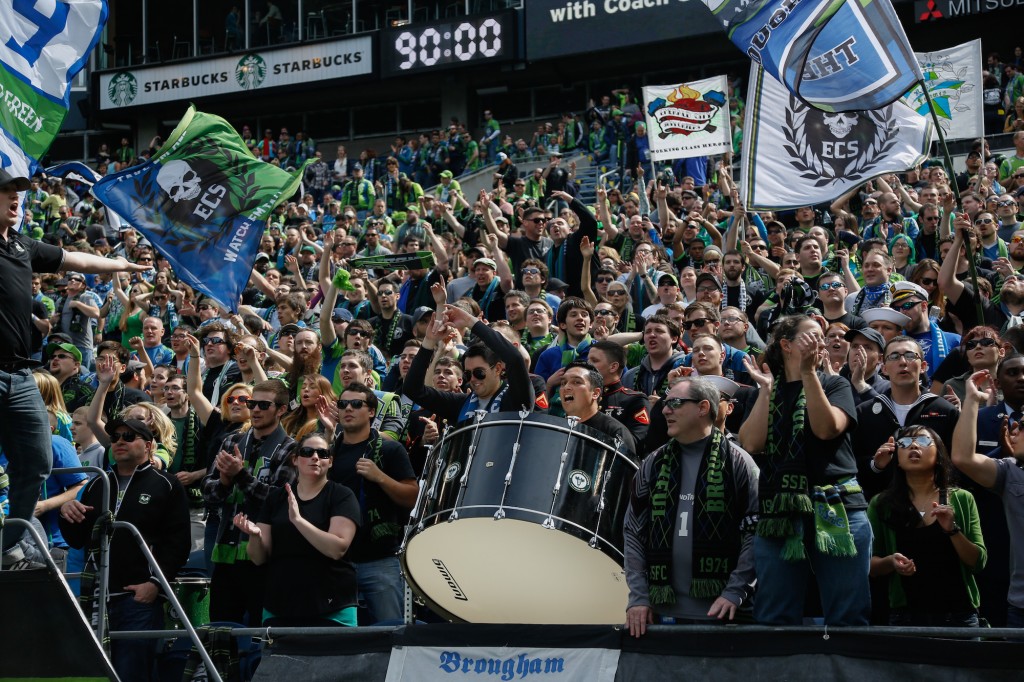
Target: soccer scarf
[(472, 403)]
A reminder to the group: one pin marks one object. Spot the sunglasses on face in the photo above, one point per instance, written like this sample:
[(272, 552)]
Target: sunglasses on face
[(922, 441), (698, 323), (212, 341), (126, 436), (676, 403), (930, 217), (262, 404), (232, 399), (206, 307), (830, 285), (307, 451), (536, 220), (359, 332), (907, 305), (984, 342), (617, 292), (604, 313), (530, 271), (983, 221), (478, 373), (355, 404), (61, 356), (929, 281)]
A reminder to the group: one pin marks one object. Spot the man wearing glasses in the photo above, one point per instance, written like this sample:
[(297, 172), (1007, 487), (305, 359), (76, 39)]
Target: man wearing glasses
[(1006, 210), (991, 246), (378, 470), (532, 245), (927, 242), (155, 503), (249, 464), (902, 404), (689, 553), (1009, 312), (912, 300), (218, 343), (65, 364)]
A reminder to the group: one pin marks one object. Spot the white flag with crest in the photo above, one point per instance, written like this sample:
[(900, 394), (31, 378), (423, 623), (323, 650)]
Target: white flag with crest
[(795, 155), (953, 78)]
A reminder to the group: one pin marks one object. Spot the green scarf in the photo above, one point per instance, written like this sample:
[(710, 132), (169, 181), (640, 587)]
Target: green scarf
[(785, 495), (535, 346), (716, 522), (380, 529), (783, 491)]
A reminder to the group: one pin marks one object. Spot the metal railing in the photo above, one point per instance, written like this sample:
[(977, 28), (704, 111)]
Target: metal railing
[(103, 573)]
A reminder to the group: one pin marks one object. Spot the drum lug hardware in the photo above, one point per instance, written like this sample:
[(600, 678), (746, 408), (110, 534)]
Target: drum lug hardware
[(549, 523), (593, 542), (499, 515), (454, 516)]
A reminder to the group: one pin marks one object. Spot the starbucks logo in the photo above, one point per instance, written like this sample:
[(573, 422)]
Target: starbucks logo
[(122, 89), (251, 71)]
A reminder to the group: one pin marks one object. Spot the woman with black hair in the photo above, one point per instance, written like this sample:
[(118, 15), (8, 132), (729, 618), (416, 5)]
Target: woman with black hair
[(927, 537)]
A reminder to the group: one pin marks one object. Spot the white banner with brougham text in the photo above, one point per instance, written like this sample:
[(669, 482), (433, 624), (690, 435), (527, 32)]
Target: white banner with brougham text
[(239, 74), (434, 664), (688, 119)]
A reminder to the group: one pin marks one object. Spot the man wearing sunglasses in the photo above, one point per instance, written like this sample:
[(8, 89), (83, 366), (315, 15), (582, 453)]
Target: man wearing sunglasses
[(248, 465), (689, 553), (378, 470), (904, 403), (65, 364), (218, 344), (76, 314), (991, 246), (1006, 210), (497, 373), (912, 300), (155, 503), (1009, 312)]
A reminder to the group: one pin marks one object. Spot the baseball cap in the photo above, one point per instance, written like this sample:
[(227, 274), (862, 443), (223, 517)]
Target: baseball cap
[(555, 284), (668, 278), (489, 262), (51, 348), (341, 315), (262, 256), (20, 183), (136, 426), (420, 313), (502, 156), (726, 387), (707, 277), (307, 249), (357, 166), (289, 329), (869, 334), (690, 193), (447, 174)]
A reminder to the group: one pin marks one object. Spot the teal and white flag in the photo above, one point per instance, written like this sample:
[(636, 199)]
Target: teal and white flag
[(796, 155), (953, 78), (203, 201), (43, 45)]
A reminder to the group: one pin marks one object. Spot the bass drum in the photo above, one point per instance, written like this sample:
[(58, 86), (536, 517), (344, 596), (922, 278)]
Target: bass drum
[(520, 521)]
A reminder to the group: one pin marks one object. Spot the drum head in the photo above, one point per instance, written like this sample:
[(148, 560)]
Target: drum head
[(523, 574)]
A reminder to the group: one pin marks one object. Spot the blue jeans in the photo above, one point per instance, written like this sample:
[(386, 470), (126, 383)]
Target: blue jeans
[(381, 588), (25, 439), (133, 658), (842, 581)]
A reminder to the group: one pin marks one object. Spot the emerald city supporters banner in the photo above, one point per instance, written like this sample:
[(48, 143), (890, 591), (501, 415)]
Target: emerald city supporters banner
[(203, 201), (796, 155)]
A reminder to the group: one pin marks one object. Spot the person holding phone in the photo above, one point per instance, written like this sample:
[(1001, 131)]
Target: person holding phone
[(927, 537)]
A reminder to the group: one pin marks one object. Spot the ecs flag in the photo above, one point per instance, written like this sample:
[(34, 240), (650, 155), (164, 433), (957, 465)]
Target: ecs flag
[(838, 55)]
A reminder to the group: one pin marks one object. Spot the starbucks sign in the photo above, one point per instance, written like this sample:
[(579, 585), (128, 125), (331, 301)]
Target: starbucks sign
[(251, 72)]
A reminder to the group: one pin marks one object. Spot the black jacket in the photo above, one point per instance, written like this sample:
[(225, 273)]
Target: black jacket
[(156, 504), (630, 407)]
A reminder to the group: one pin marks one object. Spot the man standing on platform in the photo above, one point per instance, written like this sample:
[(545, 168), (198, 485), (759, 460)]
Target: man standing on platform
[(25, 428)]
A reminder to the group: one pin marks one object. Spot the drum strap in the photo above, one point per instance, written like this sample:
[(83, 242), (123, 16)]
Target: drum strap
[(472, 403)]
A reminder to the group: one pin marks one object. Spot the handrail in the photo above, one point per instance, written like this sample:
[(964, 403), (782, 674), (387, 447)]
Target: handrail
[(211, 670)]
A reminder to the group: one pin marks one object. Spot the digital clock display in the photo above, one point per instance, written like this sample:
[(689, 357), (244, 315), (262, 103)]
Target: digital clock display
[(447, 44)]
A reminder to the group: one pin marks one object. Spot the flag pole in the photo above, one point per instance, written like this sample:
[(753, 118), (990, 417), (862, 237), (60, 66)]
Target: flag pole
[(972, 268)]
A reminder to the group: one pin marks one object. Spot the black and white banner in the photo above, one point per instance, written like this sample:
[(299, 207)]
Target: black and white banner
[(434, 664)]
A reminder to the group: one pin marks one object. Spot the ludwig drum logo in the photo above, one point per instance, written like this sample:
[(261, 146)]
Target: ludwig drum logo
[(122, 89), (686, 111), (250, 71)]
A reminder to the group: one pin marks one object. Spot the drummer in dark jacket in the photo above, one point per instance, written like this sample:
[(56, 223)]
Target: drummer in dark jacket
[(157, 505), (498, 377), (581, 388)]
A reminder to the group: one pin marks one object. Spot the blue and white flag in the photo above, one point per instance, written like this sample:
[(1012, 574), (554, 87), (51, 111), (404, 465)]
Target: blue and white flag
[(203, 201), (79, 172), (43, 45), (836, 55), (954, 81)]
